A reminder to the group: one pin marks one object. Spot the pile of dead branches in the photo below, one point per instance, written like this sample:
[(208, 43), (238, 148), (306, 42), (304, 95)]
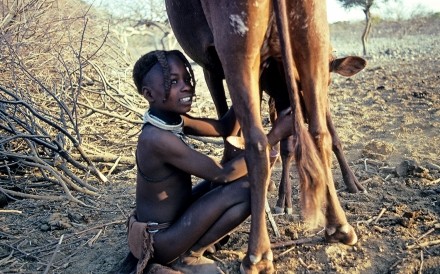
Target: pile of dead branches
[(68, 110)]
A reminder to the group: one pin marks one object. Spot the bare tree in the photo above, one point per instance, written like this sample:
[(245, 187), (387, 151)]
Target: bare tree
[(366, 6), (66, 98), (144, 20)]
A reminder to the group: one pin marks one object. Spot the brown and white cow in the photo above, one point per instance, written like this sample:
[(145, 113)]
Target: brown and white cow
[(227, 36), (272, 81)]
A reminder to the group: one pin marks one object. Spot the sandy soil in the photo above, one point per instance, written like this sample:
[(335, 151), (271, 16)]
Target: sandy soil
[(388, 118)]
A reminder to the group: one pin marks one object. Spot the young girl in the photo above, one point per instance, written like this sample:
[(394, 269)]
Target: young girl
[(172, 225)]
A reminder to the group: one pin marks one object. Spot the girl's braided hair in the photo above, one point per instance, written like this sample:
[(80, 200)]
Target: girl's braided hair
[(147, 61)]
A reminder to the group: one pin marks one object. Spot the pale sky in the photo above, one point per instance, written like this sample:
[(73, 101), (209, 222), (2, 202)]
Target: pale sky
[(337, 13), (394, 8)]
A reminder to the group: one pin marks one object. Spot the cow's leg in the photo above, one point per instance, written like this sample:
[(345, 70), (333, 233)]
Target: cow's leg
[(284, 202), (239, 30), (311, 45), (274, 151), (286, 150), (350, 179), (214, 81), (245, 98)]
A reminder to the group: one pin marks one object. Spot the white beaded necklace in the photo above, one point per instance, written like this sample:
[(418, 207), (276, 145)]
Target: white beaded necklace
[(159, 123)]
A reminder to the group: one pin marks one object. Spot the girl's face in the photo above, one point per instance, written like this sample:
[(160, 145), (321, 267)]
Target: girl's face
[(181, 92)]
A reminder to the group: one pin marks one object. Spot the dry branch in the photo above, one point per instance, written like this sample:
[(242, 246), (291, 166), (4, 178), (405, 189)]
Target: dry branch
[(57, 248), (31, 196), (10, 211), (108, 158), (423, 244), (64, 87)]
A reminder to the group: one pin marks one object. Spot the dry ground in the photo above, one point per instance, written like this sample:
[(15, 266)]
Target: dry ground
[(388, 118)]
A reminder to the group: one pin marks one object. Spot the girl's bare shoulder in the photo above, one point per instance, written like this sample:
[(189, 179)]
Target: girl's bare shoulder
[(158, 140)]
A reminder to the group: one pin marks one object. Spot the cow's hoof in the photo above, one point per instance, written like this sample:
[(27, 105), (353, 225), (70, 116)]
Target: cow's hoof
[(352, 183), (355, 187), (249, 266), (281, 210), (342, 234), (264, 266), (278, 210)]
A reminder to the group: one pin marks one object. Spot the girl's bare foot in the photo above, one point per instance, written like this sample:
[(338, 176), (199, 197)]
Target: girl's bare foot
[(192, 262)]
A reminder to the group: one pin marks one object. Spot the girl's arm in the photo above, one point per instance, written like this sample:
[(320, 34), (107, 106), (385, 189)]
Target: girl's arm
[(202, 166), (225, 126)]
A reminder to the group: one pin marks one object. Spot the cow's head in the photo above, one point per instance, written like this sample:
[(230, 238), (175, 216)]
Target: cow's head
[(347, 66)]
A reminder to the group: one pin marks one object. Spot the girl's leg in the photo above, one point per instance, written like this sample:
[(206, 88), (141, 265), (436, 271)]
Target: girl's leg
[(201, 189), (205, 222)]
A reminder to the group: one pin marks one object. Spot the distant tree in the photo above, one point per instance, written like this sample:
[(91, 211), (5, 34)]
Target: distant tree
[(139, 21), (366, 6)]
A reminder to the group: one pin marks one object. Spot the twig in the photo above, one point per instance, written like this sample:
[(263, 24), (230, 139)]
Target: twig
[(114, 166), (99, 226), (218, 259), (34, 112), (380, 215), (107, 158), (107, 113), (120, 209), (207, 140), (271, 220), (8, 170), (105, 84), (91, 165), (426, 234), (54, 254), (380, 229), (294, 242), (421, 262), (395, 264), (61, 179), (374, 220), (10, 211), (4, 261), (303, 263), (21, 252), (66, 259), (10, 16), (234, 253), (93, 240), (433, 166), (6, 235), (286, 251), (424, 244), (73, 176), (48, 246), (31, 196)]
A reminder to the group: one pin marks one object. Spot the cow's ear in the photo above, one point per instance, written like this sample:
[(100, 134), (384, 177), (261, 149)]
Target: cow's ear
[(348, 66)]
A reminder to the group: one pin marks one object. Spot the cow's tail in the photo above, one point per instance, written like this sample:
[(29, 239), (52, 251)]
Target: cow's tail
[(311, 170)]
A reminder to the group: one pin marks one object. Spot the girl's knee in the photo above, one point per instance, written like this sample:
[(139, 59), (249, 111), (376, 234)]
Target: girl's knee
[(240, 192), (237, 187), (242, 183), (165, 255)]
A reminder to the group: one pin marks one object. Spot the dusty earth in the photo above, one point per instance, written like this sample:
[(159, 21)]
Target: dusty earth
[(388, 118)]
